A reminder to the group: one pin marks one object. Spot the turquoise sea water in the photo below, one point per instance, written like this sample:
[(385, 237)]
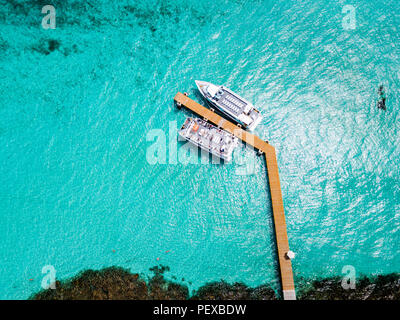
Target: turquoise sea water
[(77, 103)]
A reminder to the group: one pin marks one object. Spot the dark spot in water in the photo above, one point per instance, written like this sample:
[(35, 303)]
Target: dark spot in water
[(130, 9), (68, 51), (18, 8), (165, 10), (382, 104), (95, 22), (53, 45), (42, 3), (4, 46), (58, 111), (382, 98), (47, 46), (158, 270)]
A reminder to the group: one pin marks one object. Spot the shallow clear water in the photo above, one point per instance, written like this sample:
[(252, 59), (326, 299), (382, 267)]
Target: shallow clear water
[(77, 192)]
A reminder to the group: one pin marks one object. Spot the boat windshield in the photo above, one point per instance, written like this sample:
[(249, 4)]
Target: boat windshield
[(212, 90)]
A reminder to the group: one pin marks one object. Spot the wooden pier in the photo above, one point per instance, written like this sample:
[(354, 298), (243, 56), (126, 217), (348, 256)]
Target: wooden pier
[(260, 145)]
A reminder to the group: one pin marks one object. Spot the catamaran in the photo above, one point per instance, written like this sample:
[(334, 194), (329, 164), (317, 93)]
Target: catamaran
[(231, 104), (208, 137)]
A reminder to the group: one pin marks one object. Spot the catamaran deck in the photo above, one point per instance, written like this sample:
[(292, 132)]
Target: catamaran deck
[(285, 264), (208, 137)]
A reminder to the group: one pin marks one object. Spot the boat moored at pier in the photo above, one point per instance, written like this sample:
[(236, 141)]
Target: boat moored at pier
[(231, 104), (209, 137)]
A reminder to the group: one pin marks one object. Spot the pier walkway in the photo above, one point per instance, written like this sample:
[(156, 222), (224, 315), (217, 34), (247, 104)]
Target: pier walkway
[(260, 145)]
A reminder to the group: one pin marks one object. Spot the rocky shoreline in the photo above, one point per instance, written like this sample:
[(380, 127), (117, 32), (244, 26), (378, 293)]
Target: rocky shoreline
[(116, 283), (381, 287)]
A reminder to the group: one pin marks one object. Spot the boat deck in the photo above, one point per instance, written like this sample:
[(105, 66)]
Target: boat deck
[(232, 103), (282, 241), (208, 137)]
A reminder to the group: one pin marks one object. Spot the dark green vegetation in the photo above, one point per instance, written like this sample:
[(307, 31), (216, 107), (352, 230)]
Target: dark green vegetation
[(119, 284), (385, 287), (115, 284)]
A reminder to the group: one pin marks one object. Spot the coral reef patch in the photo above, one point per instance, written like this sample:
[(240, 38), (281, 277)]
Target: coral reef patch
[(381, 287), (116, 283)]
